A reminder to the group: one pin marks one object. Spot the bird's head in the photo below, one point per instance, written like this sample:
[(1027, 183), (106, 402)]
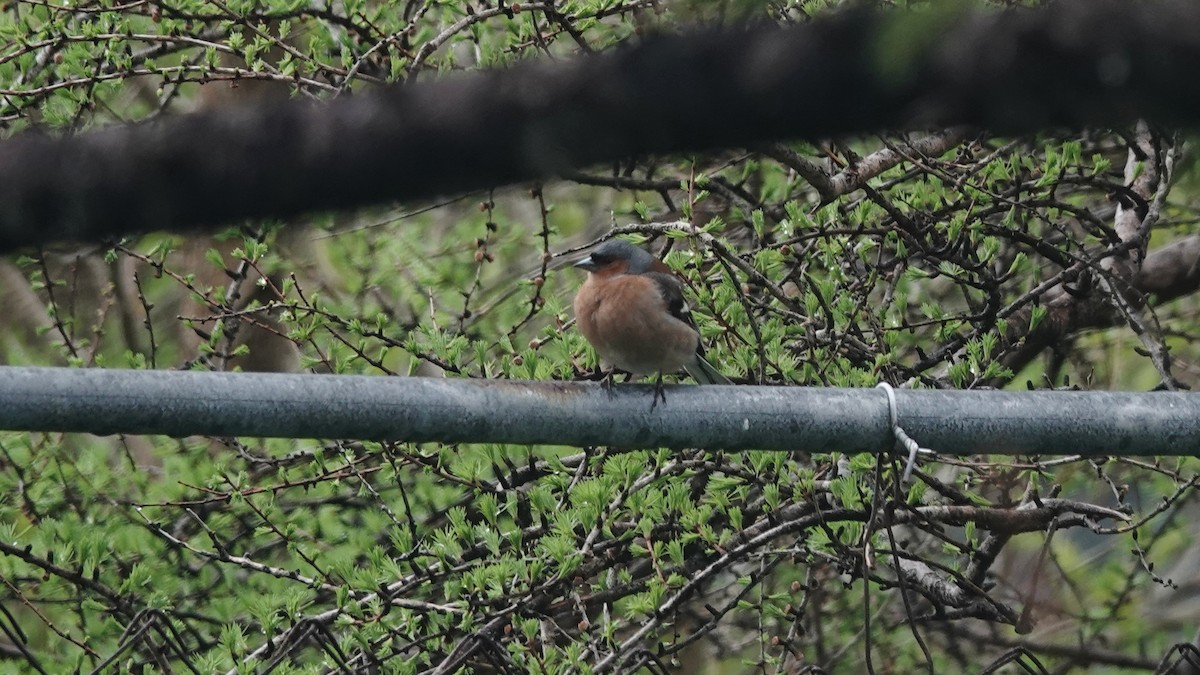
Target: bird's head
[(617, 256)]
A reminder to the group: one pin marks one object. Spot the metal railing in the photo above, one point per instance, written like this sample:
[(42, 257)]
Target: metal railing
[(182, 403)]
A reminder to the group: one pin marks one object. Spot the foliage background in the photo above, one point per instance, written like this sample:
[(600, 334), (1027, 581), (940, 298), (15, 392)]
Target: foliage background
[(946, 258)]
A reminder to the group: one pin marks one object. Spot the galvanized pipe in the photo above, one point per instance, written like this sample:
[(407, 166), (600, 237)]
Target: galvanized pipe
[(178, 403)]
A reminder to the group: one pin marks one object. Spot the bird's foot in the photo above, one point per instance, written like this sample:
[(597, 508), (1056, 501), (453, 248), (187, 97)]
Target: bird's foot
[(606, 383), (659, 392)]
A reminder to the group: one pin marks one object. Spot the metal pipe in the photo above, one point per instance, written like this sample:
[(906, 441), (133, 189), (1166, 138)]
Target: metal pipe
[(179, 403)]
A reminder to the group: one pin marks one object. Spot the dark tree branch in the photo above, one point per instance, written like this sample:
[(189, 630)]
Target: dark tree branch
[(830, 187), (1172, 271), (1116, 294), (1076, 63)]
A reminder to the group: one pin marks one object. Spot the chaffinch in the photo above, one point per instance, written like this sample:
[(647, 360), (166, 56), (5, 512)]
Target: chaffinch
[(631, 309)]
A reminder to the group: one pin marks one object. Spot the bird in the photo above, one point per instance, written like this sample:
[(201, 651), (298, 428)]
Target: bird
[(631, 310)]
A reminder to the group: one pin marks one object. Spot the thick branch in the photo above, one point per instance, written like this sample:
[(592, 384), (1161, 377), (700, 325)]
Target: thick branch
[(1172, 271), (1111, 291), (1076, 63), (855, 176)]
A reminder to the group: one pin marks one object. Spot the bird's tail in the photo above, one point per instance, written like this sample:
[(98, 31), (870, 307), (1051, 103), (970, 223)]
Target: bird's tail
[(704, 372)]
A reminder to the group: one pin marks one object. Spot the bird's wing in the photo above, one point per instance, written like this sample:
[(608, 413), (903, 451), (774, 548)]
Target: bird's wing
[(672, 291)]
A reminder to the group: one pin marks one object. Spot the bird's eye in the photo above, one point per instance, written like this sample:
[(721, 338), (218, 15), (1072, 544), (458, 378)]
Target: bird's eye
[(599, 258)]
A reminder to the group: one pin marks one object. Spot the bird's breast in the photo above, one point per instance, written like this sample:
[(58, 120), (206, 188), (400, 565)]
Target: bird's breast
[(626, 320)]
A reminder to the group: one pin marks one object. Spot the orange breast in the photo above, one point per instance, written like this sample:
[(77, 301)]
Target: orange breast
[(626, 320)]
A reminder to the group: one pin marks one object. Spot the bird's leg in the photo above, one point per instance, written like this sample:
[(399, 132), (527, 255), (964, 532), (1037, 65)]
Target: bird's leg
[(606, 382), (658, 392)]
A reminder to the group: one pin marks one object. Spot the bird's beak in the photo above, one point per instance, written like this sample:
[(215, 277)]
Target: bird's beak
[(586, 263)]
